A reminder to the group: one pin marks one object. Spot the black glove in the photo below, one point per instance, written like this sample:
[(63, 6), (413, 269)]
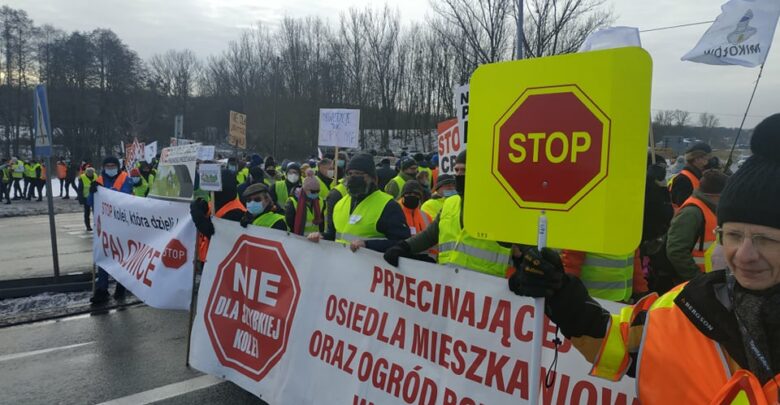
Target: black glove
[(246, 219), (538, 274), (93, 188), (402, 249), (199, 208)]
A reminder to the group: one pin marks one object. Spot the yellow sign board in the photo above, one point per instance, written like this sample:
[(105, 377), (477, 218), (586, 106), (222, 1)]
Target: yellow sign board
[(566, 135)]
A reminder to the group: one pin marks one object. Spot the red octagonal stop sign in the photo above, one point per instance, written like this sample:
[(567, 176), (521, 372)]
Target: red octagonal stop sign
[(174, 255), (551, 147), (251, 306)]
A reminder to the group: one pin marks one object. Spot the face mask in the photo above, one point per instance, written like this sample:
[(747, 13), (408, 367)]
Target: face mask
[(232, 168), (254, 207), (331, 173), (313, 196), (411, 201), (460, 184), (112, 172), (340, 163), (293, 178), (449, 193), (357, 186), (271, 172), (135, 180)]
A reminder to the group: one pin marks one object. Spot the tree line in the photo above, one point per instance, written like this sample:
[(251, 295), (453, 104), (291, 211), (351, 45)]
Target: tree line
[(705, 127), (400, 75)]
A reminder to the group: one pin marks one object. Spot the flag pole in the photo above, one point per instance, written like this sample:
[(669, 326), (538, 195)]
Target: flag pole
[(744, 117)]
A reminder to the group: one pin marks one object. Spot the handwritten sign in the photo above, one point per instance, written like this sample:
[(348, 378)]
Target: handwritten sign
[(339, 127), (237, 132)]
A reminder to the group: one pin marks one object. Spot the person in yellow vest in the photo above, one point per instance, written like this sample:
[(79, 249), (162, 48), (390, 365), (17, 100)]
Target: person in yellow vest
[(282, 189), (456, 247), (259, 207), (325, 174), (423, 166), (140, 185), (616, 278), (304, 209), (38, 180), (408, 172), (337, 189), (712, 340), (5, 181), (445, 188), (366, 216), (692, 230), (17, 167), (85, 184), (697, 158), (29, 179)]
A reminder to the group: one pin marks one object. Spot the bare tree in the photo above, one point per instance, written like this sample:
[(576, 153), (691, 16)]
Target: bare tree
[(177, 73), (681, 118), (707, 120), (483, 25), (554, 27), (664, 118)]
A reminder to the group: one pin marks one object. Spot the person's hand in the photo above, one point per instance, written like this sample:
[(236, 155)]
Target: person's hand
[(246, 219), (314, 237), (539, 274), (402, 249), (357, 244), (93, 188), (199, 208)]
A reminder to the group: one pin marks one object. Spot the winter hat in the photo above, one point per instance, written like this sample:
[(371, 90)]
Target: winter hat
[(752, 193), (256, 160), (135, 172), (293, 166), (444, 180), (363, 162), (269, 162), (110, 160), (412, 187), (697, 150), (712, 182), (461, 157), (256, 188), (407, 163)]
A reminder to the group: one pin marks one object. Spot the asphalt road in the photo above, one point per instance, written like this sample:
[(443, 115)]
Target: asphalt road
[(130, 356), (25, 246)]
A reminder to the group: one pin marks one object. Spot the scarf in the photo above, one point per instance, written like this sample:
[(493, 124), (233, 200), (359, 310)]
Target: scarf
[(302, 210)]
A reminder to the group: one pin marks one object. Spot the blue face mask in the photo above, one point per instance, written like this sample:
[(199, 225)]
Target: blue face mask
[(313, 196), (135, 180), (254, 207), (112, 172), (340, 163), (449, 193)]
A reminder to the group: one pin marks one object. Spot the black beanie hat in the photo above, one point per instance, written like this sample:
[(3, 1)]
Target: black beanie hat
[(363, 162), (444, 180), (412, 186), (407, 163), (752, 194), (110, 160), (461, 157)]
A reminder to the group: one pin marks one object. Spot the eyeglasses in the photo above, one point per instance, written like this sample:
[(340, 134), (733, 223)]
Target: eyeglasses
[(762, 243)]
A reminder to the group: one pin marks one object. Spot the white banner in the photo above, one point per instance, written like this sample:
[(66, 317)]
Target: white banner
[(339, 127), (450, 144), (303, 323), (147, 245), (741, 35), (150, 151), (462, 111)]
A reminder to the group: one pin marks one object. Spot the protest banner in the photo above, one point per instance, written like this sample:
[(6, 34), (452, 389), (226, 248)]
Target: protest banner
[(150, 151), (176, 172), (210, 175), (462, 111), (147, 245), (206, 152), (134, 153), (352, 330), (450, 144), (339, 127), (237, 130)]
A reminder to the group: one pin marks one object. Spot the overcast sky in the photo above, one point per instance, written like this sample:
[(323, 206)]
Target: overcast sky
[(206, 26)]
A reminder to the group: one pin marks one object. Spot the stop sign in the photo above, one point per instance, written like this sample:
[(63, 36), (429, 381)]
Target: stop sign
[(250, 309), (551, 147), (174, 255)]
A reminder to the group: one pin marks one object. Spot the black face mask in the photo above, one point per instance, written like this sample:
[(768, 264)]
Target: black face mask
[(460, 184), (411, 201), (357, 186)]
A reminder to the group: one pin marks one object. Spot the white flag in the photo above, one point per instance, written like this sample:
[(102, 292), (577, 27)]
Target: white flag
[(612, 37), (741, 35)]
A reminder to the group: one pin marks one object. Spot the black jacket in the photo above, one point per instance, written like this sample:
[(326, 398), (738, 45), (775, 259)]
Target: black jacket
[(682, 187), (385, 173)]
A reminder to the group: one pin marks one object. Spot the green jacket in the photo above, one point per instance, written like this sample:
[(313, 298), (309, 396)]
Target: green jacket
[(681, 238)]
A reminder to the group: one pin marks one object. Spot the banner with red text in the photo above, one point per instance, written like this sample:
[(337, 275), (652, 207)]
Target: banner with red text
[(296, 322), (147, 245)]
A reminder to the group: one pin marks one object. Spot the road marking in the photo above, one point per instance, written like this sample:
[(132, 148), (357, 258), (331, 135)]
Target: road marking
[(43, 351), (166, 391)]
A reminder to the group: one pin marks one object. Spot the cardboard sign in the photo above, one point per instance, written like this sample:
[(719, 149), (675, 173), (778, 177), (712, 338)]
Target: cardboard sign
[(237, 132), (210, 176), (566, 135), (339, 127)]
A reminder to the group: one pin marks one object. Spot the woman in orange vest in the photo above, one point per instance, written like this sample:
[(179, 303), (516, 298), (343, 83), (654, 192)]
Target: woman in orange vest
[(712, 340), (227, 206), (412, 196)]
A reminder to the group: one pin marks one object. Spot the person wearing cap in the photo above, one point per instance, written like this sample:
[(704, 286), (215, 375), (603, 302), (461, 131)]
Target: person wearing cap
[(225, 205), (82, 193), (456, 247), (304, 209), (692, 231), (270, 168), (697, 157), (256, 175), (260, 209), (445, 188), (411, 199), (112, 178), (384, 173), (282, 189), (408, 172), (140, 185), (712, 340), (423, 165), (365, 216)]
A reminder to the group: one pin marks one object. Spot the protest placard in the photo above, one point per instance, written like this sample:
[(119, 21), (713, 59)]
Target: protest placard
[(339, 127)]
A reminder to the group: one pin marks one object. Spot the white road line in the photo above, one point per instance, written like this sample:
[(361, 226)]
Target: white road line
[(37, 352), (166, 391)]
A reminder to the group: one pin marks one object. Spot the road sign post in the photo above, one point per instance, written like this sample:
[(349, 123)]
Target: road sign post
[(565, 146), (43, 148)]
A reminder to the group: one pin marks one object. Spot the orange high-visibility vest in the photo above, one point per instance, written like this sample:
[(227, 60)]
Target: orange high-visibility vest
[(203, 241), (118, 183), (700, 250), (417, 220), (62, 171), (694, 182)]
